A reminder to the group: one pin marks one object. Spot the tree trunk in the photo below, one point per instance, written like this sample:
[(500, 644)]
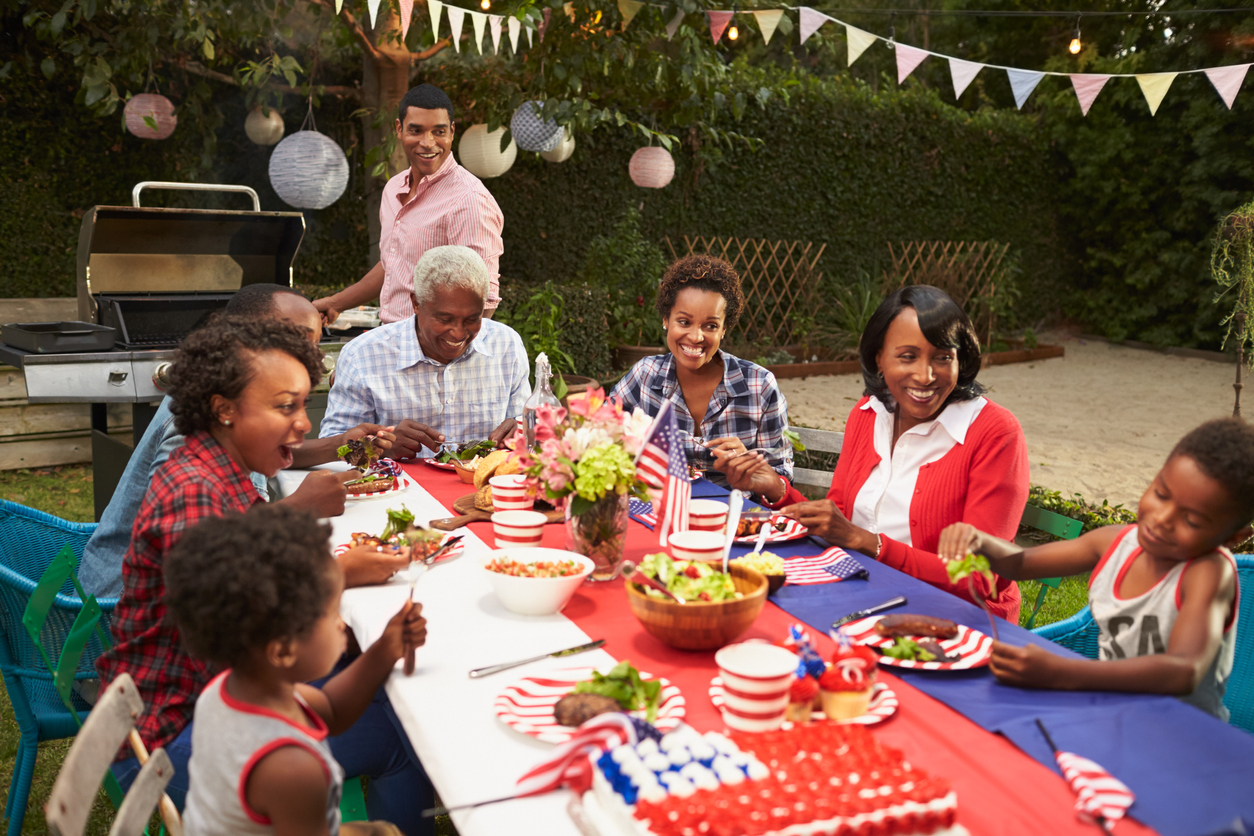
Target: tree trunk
[(385, 79)]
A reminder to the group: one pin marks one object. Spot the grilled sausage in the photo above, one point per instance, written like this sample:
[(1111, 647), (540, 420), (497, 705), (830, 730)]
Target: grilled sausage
[(906, 624)]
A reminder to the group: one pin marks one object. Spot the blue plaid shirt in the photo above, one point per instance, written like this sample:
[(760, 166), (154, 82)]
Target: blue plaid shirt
[(383, 377), (746, 404)]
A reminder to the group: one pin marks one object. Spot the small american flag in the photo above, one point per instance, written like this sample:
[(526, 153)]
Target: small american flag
[(835, 564), (642, 511), (1101, 798), (664, 464), (571, 763)]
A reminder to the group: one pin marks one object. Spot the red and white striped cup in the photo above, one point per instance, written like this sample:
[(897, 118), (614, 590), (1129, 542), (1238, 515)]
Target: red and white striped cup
[(756, 678), (707, 515), (518, 529), (696, 545), (509, 493)]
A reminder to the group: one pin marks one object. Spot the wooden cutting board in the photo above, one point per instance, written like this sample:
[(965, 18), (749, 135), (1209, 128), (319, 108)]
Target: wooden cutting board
[(465, 506)]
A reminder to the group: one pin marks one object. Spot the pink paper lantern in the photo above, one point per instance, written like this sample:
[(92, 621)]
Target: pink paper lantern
[(155, 107), (651, 168)]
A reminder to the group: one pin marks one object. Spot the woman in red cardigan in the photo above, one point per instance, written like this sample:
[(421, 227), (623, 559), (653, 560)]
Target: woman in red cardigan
[(924, 448)]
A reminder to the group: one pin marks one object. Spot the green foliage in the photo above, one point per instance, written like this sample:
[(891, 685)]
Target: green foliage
[(539, 322), (1232, 265), (629, 268), (1078, 508)]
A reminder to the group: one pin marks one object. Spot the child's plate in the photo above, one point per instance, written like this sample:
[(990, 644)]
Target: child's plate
[(972, 647), (792, 530), (883, 704), (401, 484), (453, 553), (527, 705)]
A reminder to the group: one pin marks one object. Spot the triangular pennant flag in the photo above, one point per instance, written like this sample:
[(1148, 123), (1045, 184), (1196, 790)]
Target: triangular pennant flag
[(1022, 83), (628, 9), (767, 21), (494, 26), (1227, 81), (858, 42), (908, 57), (515, 26), (531, 33), (456, 17), (810, 21), (1087, 86), (673, 26), (718, 23), (435, 7), (407, 11), (339, 4), (373, 7), (963, 73), (1154, 87), (479, 19)]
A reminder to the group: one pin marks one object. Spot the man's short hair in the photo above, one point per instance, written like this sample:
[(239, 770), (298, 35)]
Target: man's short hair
[(449, 266), (256, 301), (1224, 450), (425, 97)]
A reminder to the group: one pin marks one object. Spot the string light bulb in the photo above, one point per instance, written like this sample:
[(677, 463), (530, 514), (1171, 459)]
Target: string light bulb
[(1075, 46), (485, 4), (733, 33)]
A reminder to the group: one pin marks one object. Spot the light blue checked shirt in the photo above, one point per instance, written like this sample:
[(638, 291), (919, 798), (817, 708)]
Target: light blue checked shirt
[(383, 377)]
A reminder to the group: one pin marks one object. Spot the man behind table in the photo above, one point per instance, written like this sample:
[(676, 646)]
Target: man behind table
[(444, 374), (432, 203)]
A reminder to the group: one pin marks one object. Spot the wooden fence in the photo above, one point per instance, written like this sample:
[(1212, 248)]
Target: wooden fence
[(970, 271)]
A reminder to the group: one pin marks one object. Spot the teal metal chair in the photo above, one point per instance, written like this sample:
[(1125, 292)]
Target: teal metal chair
[(1079, 633), (29, 542), (1055, 525)]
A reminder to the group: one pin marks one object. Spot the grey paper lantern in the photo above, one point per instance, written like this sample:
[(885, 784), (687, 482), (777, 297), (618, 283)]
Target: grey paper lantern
[(533, 133), (308, 170), (155, 107), (263, 129), (480, 152), (564, 149)]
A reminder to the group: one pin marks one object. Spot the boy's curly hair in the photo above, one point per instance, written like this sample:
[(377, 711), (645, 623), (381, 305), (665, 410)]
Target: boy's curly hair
[(236, 582), (217, 359), (1224, 450), (704, 272)]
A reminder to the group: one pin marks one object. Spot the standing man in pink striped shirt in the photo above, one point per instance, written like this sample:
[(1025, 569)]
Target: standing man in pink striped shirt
[(433, 203)]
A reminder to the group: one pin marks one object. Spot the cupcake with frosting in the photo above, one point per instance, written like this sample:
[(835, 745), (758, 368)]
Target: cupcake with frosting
[(801, 698), (845, 689)]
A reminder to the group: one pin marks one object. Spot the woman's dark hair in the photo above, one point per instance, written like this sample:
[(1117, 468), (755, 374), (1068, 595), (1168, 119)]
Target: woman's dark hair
[(704, 272), (234, 583), (218, 360), (942, 322)]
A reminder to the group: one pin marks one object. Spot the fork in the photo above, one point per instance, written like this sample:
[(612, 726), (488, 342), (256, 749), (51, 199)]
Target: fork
[(418, 568)]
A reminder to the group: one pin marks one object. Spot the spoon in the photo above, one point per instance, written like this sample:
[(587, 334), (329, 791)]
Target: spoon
[(632, 574), (735, 504)]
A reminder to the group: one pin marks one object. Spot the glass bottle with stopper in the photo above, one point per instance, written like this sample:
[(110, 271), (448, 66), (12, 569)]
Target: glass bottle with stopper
[(541, 394)]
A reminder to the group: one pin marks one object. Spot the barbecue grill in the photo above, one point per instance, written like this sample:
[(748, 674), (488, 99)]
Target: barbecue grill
[(152, 275)]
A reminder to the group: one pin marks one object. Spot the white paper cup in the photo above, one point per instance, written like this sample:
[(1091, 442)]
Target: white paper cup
[(756, 679), (518, 529), (707, 515), (696, 545), (509, 493)]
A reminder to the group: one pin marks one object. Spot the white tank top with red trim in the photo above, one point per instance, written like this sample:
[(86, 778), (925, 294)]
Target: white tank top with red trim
[(228, 739), (1141, 626)]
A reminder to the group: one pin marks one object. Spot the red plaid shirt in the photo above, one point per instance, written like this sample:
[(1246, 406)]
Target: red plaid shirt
[(199, 480)]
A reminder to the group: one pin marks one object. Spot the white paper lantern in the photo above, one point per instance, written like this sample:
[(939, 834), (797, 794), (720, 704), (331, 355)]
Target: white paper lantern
[(157, 108), (564, 149), (308, 170), (651, 168), (533, 133), (263, 129), (480, 152)]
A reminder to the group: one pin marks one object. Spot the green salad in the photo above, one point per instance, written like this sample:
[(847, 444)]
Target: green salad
[(972, 564), (908, 649), (686, 580), (465, 452), (624, 684)]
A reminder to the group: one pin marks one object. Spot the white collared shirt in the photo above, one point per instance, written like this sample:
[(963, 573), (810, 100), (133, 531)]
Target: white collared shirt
[(883, 503)]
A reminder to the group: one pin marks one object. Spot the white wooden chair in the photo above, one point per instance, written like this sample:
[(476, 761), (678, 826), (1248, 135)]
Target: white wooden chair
[(819, 441), (110, 724)]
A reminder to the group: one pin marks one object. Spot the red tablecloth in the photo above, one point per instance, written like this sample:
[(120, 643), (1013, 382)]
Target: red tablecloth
[(1000, 789)]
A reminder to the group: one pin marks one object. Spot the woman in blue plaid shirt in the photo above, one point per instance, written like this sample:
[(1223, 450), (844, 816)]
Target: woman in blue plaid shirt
[(732, 409)]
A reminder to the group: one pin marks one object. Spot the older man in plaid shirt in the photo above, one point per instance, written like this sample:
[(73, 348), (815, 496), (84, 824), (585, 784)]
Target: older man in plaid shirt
[(445, 374)]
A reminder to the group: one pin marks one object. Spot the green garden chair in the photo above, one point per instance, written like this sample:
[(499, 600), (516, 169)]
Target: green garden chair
[(1056, 525)]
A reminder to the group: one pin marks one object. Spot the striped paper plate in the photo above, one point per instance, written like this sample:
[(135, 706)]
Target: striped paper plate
[(793, 530), (452, 554), (402, 483), (527, 705), (440, 465), (883, 704), (973, 648)]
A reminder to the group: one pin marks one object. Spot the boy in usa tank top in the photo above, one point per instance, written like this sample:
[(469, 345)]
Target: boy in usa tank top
[(1163, 592)]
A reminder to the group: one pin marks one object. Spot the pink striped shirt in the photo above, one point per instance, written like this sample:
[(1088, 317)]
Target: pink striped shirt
[(451, 206)]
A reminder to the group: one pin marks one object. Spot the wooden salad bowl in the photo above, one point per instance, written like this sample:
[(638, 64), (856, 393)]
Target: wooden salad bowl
[(700, 625)]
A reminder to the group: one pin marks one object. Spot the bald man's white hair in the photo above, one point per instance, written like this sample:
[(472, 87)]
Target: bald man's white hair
[(449, 266)]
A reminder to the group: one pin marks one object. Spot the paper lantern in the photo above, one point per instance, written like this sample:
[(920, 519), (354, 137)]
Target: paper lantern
[(651, 168), (564, 149), (308, 170), (157, 108), (533, 133), (263, 129), (480, 152)]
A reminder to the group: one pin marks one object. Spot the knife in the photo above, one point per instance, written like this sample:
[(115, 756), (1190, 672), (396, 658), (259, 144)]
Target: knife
[(477, 673), (854, 616)]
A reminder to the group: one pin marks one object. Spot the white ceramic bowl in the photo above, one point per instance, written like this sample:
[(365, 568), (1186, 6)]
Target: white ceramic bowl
[(535, 596), (696, 545)]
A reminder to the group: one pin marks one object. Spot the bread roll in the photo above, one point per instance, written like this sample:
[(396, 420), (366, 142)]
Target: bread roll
[(483, 498), (488, 465)]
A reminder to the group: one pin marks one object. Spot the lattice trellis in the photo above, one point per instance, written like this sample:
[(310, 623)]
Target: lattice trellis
[(778, 277), (969, 271)]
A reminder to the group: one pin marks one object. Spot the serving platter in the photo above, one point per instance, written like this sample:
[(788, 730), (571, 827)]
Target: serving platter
[(972, 647), (883, 704)]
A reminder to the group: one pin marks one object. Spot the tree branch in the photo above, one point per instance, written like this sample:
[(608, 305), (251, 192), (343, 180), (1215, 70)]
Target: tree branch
[(353, 26), (196, 68), (429, 51)]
